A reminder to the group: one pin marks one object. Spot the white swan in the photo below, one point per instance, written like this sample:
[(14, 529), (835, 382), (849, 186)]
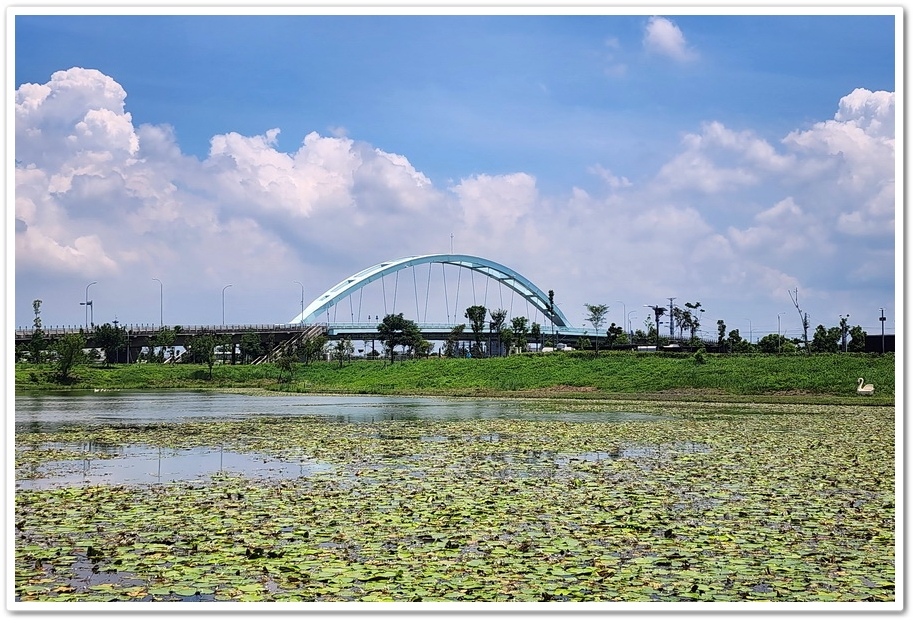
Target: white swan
[(865, 390)]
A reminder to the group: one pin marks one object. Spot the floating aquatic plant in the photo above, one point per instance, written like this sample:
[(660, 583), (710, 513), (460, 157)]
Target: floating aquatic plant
[(711, 503)]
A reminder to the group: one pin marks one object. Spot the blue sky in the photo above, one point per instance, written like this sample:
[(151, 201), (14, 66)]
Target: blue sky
[(618, 159)]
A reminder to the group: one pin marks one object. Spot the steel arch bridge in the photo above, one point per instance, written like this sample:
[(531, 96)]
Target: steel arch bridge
[(490, 269)]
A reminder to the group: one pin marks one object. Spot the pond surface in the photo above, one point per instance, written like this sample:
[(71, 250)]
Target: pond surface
[(44, 411), (149, 464)]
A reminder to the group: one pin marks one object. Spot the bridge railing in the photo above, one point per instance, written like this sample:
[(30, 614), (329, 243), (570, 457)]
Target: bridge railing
[(60, 330)]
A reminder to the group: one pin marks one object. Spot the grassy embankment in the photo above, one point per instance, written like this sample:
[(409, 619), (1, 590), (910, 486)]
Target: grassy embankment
[(817, 378)]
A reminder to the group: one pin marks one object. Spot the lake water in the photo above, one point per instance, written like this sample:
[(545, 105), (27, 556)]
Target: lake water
[(143, 464), (41, 411)]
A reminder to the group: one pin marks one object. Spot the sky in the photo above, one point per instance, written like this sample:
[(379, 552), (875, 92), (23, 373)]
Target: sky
[(202, 169)]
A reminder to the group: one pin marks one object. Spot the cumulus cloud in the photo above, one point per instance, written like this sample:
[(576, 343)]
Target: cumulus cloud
[(729, 215), (496, 202), (662, 36), (719, 159), (613, 181), (857, 150)]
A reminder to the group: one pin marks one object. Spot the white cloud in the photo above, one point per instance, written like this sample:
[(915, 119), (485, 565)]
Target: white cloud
[(719, 159), (662, 36), (496, 203), (728, 217), (613, 67), (614, 182), (783, 232), (855, 152)]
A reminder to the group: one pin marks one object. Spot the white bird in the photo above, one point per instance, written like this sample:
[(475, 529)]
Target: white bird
[(865, 390)]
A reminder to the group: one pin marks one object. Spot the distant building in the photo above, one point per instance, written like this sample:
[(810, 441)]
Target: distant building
[(873, 343)]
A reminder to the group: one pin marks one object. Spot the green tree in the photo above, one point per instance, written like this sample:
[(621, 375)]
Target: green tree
[(395, 330), (613, 332), (770, 344), (110, 339), (536, 334), (497, 323), (227, 348), (737, 344), (692, 320), (856, 339), (640, 336), (596, 316), (720, 326), (681, 319), (844, 331), (342, 350), (250, 347), (453, 340), (70, 353), (423, 347), (477, 315), (39, 342), (505, 338), (285, 363), (520, 332), (203, 350), (312, 348), (164, 339), (825, 340)]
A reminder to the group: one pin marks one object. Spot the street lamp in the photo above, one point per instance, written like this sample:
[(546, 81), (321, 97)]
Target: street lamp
[(160, 302), (301, 301), (88, 304), (630, 323), (624, 313), (224, 303), (659, 312), (117, 348), (882, 319), (779, 329), (750, 328)]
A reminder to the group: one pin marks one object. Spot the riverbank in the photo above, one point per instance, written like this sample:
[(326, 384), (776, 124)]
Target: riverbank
[(824, 379)]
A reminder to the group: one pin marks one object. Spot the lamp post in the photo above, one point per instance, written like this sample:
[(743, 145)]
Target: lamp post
[(630, 323), (659, 311), (671, 316), (301, 300), (624, 313), (779, 329), (844, 328), (160, 302), (882, 319), (750, 328), (117, 348), (224, 303), (88, 304)]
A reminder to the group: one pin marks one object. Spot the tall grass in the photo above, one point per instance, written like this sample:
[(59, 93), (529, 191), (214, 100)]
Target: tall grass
[(580, 373)]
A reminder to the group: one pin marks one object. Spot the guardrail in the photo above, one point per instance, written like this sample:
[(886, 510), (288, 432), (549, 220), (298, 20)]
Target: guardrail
[(53, 331)]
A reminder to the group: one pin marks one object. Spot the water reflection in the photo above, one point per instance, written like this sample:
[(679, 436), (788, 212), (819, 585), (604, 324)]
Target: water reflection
[(143, 464), (44, 411)]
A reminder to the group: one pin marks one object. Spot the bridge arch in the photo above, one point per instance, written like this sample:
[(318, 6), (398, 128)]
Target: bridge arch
[(488, 268)]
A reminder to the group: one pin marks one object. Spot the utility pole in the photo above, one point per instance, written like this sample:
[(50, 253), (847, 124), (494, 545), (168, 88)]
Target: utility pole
[(844, 329), (671, 316), (882, 319)]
